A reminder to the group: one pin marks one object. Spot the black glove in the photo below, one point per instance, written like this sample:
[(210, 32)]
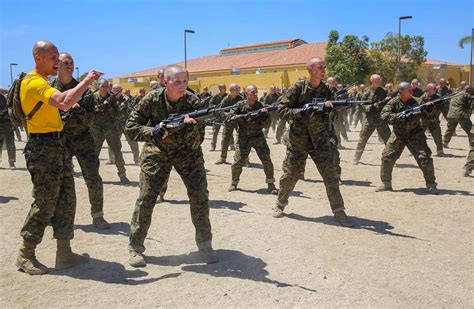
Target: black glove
[(159, 130)]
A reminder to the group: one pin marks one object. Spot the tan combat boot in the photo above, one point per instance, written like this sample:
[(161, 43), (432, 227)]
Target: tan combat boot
[(27, 262), (206, 253), (136, 259), (341, 218), (65, 258), (272, 189), (100, 223), (386, 186)]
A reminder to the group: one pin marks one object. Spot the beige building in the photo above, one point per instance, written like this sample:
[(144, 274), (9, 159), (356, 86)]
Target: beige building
[(278, 63)]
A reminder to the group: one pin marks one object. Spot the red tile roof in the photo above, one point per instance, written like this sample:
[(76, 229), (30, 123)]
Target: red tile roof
[(279, 57), (259, 45)]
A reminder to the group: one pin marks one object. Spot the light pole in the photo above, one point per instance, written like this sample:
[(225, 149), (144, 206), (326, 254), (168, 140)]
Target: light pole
[(185, 52), (11, 72), (77, 71), (471, 81), (399, 40)]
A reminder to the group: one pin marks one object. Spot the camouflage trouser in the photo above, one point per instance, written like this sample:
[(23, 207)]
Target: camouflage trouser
[(465, 124), (280, 129), (435, 131), (6, 135), (340, 128), (355, 115), (295, 161), (419, 149), (368, 127), (133, 145), (215, 133), (17, 133), (227, 139), (445, 109), (190, 166), (50, 168), (83, 147), (469, 166), (244, 145), (273, 122), (112, 136)]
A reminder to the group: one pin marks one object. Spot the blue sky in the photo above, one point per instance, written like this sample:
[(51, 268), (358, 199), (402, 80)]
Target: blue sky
[(122, 36)]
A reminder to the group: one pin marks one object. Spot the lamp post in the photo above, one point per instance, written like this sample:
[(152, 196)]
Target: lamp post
[(471, 81), (11, 72), (185, 51), (77, 71), (399, 40)]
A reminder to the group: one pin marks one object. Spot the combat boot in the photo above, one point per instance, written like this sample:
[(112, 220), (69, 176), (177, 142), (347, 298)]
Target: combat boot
[(12, 166), (100, 223), (136, 259), (232, 187), (277, 212), (206, 253), (232, 148), (466, 172), (355, 161), (65, 258), (27, 262), (440, 153), (386, 186), (124, 180), (432, 189), (220, 161), (342, 219), (272, 189), (161, 198)]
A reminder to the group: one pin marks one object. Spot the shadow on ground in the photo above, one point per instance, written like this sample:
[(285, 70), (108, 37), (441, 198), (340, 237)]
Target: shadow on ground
[(232, 263), (116, 228)]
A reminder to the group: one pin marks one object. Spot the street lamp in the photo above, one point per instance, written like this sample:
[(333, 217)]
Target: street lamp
[(77, 71), (185, 55), (11, 72), (399, 39)]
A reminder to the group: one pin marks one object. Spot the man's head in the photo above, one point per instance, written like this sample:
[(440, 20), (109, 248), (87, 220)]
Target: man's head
[(66, 65), (103, 86), (142, 91), (154, 84), (415, 84), (126, 92), (405, 91), (205, 89), (340, 86), (234, 89), (316, 68), (273, 89), (470, 90), (222, 88), (442, 82), (462, 85), (332, 83), (361, 87), (431, 89), (161, 76), (117, 89), (46, 58), (375, 81), (388, 87), (176, 81), (251, 93)]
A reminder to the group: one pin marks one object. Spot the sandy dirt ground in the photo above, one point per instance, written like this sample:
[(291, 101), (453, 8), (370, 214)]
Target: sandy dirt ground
[(409, 249)]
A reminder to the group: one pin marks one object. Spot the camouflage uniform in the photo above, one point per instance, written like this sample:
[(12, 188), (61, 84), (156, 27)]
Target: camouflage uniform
[(445, 107), (337, 119), (431, 122), (372, 120), (309, 135), (125, 108), (105, 127), (459, 112), (216, 100), (406, 132), (250, 135), (229, 127), (269, 100), (469, 166), (180, 149), (205, 98), (6, 132), (80, 143), (417, 92)]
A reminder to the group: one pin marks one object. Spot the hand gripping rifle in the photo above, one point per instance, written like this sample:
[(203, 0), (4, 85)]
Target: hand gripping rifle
[(317, 105), (420, 108)]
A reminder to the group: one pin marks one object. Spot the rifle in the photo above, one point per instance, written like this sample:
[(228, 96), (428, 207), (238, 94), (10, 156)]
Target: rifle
[(175, 121), (317, 105), (420, 108), (254, 115), (66, 115), (343, 91), (101, 106)]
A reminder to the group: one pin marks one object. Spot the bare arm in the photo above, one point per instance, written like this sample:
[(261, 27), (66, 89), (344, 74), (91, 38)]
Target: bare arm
[(65, 100)]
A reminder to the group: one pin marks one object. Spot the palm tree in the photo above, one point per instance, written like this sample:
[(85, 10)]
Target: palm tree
[(465, 40)]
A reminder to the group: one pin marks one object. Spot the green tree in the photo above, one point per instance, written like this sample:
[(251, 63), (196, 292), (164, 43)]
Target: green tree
[(347, 60), (384, 53), (465, 40)]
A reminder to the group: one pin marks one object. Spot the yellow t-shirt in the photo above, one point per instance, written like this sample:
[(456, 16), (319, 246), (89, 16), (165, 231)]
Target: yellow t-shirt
[(35, 88)]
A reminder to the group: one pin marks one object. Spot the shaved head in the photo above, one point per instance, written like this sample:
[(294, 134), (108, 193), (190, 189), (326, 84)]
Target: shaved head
[(173, 70), (41, 47), (64, 55), (314, 61)]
